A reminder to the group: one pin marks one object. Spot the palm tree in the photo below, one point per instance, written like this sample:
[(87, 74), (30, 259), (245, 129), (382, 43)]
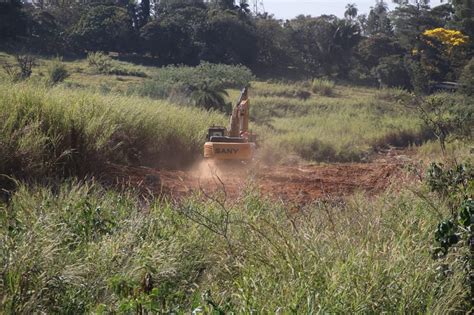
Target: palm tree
[(209, 97), (351, 11), (243, 8)]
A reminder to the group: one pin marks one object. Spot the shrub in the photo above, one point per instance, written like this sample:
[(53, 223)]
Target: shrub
[(22, 70), (447, 117), (403, 138), (313, 149), (100, 62), (57, 72), (323, 87), (455, 233)]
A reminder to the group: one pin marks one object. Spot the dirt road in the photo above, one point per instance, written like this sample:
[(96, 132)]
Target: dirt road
[(300, 184)]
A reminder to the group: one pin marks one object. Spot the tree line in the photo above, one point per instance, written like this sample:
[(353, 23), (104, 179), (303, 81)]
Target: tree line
[(407, 47)]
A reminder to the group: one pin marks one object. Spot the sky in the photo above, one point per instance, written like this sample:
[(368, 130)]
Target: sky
[(287, 9)]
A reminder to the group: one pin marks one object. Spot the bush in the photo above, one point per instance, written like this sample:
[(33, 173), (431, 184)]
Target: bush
[(466, 80), (313, 149), (323, 87), (448, 117), (57, 72)]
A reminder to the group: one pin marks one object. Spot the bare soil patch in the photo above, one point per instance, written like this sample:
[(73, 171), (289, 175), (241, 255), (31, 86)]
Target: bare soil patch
[(302, 183)]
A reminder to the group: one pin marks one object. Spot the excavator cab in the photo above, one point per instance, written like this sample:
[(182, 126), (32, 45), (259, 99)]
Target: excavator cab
[(236, 143), (215, 132)]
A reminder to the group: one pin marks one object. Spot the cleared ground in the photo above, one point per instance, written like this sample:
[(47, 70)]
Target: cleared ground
[(301, 183)]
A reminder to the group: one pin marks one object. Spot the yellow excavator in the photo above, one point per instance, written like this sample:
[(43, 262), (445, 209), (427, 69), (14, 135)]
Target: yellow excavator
[(237, 143)]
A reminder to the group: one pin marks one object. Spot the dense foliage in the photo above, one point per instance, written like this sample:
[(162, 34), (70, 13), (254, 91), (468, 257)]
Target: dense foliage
[(371, 49)]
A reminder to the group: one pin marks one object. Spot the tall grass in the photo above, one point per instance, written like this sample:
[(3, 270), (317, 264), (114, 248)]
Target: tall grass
[(336, 129), (62, 132), (79, 248)]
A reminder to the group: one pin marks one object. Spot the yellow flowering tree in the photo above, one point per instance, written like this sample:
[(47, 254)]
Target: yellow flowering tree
[(441, 53), (448, 38)]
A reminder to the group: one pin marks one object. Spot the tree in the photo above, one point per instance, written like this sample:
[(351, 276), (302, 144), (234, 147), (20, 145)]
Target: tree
[(103, 28), (351, 11), (244, 7), (274, 52), (371, 49), (12, 19), (391, 72), (225, 4), (228, 39), (324, 44), (378, 20), (144, 13), (410, 21), (466, 79), (417, 3), (209, 97), (463, 18), (441, 51), (170, 6), (43, 27), (448, 38), (169, 41)]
